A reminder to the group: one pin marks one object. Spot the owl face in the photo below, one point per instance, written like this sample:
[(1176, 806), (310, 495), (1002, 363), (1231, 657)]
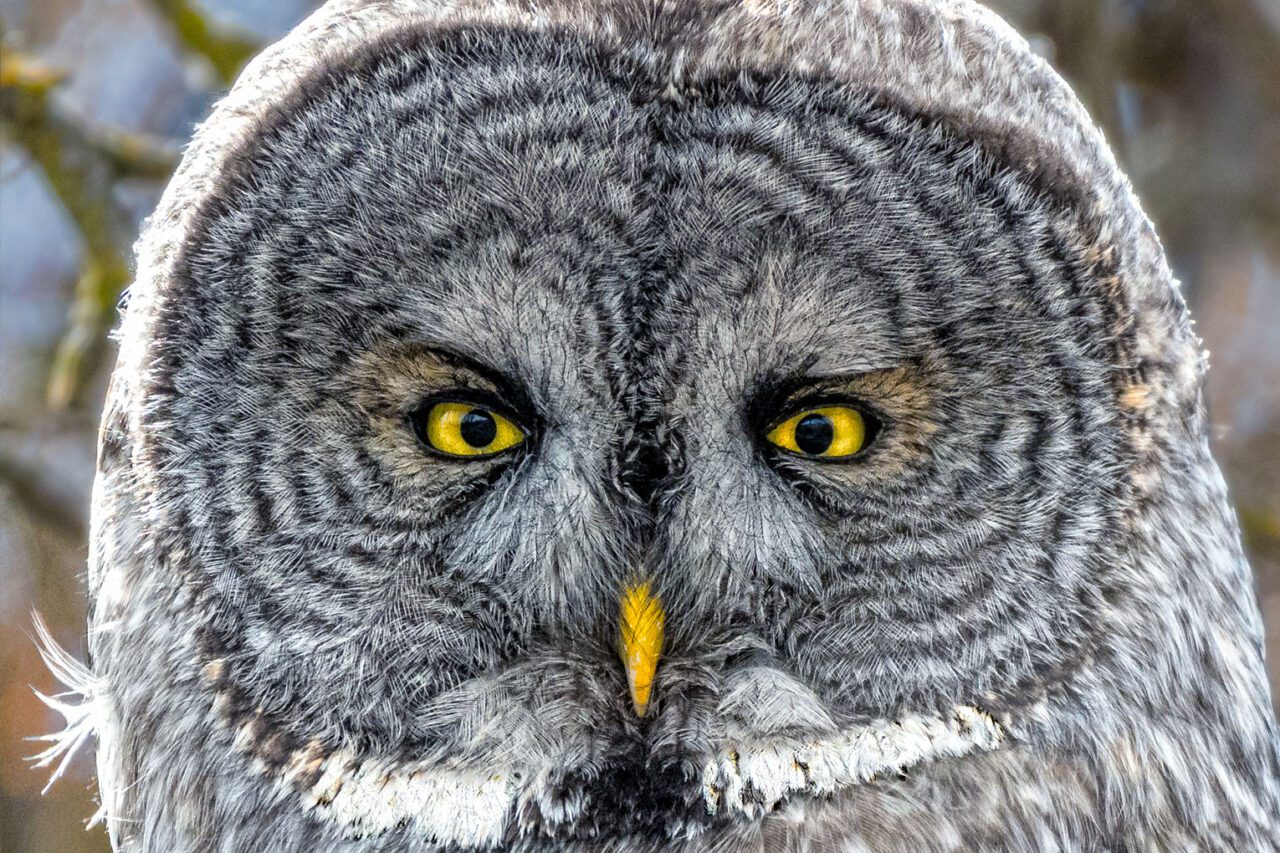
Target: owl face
[(452, 361)]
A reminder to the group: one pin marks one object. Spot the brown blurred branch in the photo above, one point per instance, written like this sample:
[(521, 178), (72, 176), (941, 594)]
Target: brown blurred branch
[(1261, 530), (25, 487), (136, 155), (226, 50), (81, 165)]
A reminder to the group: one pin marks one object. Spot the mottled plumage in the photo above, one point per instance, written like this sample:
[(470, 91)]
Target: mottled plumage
[(1018, 620)]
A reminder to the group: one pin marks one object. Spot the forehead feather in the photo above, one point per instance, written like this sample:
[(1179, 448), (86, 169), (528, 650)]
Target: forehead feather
[(945, 60)]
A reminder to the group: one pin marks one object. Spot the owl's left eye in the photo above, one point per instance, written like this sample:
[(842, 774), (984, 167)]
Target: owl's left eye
[(823, 432), (457, 428)]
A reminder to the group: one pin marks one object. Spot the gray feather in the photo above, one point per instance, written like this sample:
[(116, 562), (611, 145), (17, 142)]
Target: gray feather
[(1020, 620)]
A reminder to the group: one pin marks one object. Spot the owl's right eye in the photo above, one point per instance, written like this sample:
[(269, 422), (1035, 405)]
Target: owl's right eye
[(465, 430)]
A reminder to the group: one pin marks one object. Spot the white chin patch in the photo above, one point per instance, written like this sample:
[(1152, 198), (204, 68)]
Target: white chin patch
[(368, 798), (754, 777), (750, 779)]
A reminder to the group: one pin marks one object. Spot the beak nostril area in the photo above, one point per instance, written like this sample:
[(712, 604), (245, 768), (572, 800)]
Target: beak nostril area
[(644, 470)]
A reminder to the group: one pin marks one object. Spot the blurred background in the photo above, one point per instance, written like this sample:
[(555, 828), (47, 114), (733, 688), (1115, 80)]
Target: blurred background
[(97, 97)]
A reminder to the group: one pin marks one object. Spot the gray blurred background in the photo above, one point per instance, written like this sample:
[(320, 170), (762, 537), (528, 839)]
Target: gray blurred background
[(97, 96)]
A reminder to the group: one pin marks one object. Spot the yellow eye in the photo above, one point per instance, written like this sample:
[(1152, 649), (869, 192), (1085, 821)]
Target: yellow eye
[(823, 432), (466, 429)]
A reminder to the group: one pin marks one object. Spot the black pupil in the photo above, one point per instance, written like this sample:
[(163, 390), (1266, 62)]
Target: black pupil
[(478, 428), (814, 434)]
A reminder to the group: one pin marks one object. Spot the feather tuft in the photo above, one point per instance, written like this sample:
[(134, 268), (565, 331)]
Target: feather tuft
[(79, 705)]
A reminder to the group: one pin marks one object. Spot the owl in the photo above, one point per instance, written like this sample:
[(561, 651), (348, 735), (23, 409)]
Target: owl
[(639, 425)]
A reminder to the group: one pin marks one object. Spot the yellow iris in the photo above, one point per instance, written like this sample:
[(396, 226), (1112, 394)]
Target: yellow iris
[(465, 429), (823, 432)]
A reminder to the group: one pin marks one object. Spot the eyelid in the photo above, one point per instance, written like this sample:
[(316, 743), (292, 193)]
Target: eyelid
[(812, 396), (481, 398), (802, 401)]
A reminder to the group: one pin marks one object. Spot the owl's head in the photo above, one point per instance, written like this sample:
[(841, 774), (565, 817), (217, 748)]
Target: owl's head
[(631, 419)]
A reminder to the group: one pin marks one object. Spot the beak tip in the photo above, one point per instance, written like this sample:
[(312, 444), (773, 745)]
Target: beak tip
[(641, 621)]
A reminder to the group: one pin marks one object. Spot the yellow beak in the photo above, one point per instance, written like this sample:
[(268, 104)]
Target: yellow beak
[(640, 625)]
